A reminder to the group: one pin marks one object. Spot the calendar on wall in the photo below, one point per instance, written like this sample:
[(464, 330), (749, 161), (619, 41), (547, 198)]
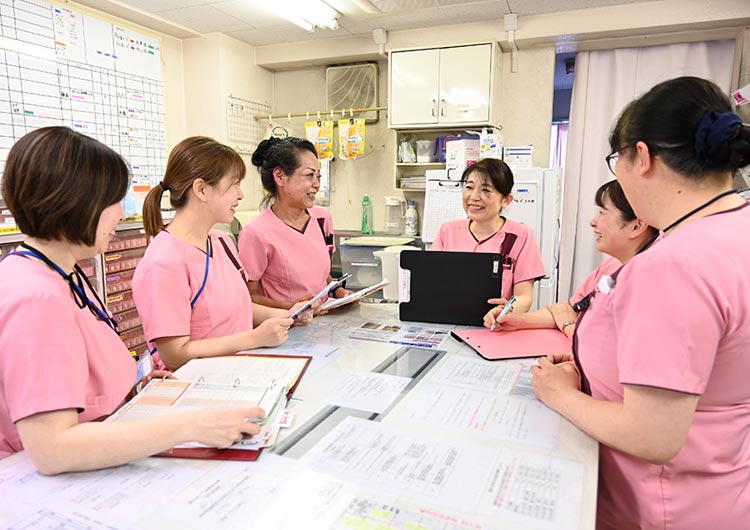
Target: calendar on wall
[(62, 67)]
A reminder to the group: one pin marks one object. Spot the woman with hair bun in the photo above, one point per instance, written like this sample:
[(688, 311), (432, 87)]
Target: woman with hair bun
[(287, 250), (662, 350)]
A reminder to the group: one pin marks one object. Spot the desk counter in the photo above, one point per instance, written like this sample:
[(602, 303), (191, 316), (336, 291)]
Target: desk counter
[(462, 445)]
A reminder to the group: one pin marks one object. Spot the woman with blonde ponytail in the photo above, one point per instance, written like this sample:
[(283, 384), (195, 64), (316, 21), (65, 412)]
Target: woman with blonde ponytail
[(190, 288)]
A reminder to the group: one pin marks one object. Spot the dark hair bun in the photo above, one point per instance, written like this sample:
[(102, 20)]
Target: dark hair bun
[(259, 155), (739, 148)]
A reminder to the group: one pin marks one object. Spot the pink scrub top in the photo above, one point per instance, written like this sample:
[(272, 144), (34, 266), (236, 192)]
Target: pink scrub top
[(290, 264), (678, 318), (54, 355), (169, 277), (607, 267), (525, 259)]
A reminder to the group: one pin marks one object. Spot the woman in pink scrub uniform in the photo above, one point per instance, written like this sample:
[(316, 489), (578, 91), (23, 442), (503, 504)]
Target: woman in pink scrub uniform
[(62, 363), (189, 288), (619, 234), (287, 249), (487, 187), (662, 350)]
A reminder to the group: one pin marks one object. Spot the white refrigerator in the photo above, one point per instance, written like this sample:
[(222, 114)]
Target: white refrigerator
[(537, 202)]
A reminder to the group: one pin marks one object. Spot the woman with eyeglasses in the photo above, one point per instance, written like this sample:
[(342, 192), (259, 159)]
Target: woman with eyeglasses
[(189, 288), (487, 187), (619, 234), (662, 349), (287, 249), (62, 363)]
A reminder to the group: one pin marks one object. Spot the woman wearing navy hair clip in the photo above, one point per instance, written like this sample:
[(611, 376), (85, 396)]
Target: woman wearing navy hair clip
[(662, 349)]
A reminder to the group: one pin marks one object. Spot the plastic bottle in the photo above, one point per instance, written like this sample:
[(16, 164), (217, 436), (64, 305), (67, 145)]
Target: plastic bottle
[(411, 219), (366, 215)]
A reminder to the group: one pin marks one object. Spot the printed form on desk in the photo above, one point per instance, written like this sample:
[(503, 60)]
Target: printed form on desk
[(502, 484)]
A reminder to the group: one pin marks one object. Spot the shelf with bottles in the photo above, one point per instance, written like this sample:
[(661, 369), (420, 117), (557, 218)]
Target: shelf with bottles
[(418, 151)]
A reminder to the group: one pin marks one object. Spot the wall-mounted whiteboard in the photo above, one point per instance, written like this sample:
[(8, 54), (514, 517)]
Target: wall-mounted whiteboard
[(62, 67)]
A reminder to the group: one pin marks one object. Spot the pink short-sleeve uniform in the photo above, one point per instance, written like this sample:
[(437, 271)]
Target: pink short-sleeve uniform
[(607, 267), (171, 274), (290, 264), (53, 355), (525, 258), (678, 318)]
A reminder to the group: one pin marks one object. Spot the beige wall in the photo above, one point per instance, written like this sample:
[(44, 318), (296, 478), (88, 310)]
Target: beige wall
[(217, 66)]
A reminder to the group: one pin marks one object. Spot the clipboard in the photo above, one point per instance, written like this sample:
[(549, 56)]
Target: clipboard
[(522, 343), (448, 287), (212, 453)]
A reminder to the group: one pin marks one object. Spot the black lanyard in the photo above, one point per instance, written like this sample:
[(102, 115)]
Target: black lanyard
[(584, 303), (76, 281)]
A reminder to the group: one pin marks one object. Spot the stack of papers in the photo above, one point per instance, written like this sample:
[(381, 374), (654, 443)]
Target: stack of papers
[(241, 380), (165, 396), (332, 303), (413, 183)]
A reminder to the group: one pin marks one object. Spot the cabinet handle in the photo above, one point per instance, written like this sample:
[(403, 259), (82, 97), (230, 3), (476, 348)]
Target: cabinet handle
[(434, 104), (442, 108)]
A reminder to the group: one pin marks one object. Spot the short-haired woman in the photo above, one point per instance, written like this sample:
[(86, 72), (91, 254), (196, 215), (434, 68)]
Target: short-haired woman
[(487, 187), (62, 363)]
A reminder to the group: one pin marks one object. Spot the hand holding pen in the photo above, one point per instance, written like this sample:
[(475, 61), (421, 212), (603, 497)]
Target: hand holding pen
[(504, 312)]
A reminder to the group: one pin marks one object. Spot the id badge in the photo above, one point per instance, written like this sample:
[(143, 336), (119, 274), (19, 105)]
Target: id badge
[(143, 367)]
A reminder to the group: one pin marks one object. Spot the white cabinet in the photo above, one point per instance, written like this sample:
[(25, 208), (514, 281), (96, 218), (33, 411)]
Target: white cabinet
[(443, 87)]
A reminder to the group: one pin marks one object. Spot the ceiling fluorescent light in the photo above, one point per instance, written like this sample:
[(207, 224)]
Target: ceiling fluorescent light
[(308, 14)]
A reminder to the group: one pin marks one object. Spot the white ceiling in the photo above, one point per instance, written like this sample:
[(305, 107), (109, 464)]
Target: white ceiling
[(252, 21)]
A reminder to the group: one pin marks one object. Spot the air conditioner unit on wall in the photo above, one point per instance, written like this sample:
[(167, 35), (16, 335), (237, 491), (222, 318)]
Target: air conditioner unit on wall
[(353, 86)]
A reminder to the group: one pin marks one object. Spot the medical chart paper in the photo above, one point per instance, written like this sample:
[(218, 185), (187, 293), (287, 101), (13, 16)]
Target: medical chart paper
[(86, 500), (503, 484), (462, 409), (165, 396), (434, 469), (369, 391), (245, 370)]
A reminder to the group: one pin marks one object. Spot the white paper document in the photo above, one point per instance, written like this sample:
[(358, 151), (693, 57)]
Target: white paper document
[(539, 491), (321, 354), (503, 378), (463, 409), (433, 469), (369, 391), (92, 499), (256, 369)]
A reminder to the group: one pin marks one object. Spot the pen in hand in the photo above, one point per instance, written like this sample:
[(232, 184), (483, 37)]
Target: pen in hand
[(504, 312)]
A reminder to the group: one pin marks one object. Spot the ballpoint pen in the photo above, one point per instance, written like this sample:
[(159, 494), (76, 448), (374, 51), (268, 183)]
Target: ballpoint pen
[(504, 312)]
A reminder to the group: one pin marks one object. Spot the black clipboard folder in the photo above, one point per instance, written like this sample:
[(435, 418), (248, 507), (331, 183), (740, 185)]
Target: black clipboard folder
[(448, 287)]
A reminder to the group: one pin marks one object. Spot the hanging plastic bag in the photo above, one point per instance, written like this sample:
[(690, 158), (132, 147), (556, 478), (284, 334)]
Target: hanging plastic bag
[(320, 133), (351, 138)]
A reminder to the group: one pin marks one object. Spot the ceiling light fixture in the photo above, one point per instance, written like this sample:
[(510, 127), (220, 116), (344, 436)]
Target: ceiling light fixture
[(308, 14)]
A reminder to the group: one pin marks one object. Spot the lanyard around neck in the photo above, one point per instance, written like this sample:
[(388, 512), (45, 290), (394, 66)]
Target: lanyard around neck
[(75, 281)]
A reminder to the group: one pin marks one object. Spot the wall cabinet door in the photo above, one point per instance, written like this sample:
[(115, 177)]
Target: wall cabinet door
[(465, 84), (441, 87), (414, 87)]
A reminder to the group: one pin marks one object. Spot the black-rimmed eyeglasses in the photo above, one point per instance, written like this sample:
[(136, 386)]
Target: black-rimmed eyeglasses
[(611, 160)]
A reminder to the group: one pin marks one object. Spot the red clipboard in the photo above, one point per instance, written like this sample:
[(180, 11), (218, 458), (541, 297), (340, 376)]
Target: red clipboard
[(500, 345), (212, 453)]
